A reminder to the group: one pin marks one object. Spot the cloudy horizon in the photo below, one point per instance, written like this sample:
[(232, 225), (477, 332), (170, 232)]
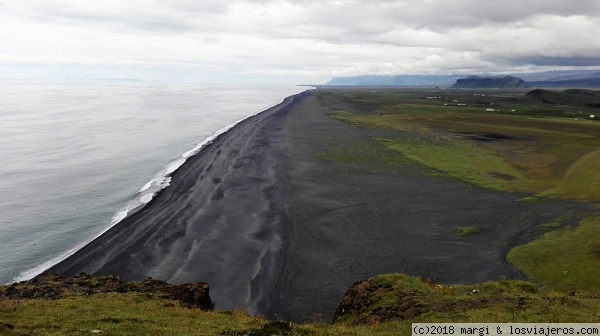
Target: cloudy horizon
[(292, 42)]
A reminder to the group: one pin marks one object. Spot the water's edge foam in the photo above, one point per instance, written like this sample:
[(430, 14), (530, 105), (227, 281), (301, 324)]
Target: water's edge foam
[(161, 180)]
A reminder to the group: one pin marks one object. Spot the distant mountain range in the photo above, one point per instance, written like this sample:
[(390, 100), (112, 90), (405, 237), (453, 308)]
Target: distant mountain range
[(402, 80), (577, 78)]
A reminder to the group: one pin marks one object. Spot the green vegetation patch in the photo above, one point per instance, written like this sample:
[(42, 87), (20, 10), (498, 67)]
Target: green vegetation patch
[(581, 181), (347, 117), (567, 259), (368, 152), (462, 160), (530, 199), (469, 230)]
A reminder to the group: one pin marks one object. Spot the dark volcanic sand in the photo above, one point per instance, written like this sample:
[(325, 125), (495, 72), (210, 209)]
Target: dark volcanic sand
[(286, 238)]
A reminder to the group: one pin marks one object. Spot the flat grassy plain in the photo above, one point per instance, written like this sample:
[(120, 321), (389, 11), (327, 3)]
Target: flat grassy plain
[(503, 140)]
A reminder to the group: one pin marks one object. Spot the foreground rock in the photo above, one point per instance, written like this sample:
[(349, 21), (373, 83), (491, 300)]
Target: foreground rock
[(359, 300), (194, 294)]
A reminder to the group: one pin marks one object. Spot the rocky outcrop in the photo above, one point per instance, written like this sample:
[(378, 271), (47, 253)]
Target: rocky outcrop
[(477, 82), (397, 297), (194, 294), (358, 302)]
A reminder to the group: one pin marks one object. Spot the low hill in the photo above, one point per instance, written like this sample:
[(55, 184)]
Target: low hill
[(477, 82), (574, 97)]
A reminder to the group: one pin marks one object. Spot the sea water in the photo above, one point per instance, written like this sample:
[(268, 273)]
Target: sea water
[(77, 157)]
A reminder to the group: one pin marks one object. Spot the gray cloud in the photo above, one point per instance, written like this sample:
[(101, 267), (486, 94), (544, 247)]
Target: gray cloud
[(304, 39)]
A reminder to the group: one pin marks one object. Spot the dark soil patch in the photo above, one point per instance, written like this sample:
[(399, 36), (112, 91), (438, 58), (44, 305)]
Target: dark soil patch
[(502, 176), (486, 137), (595, 252)]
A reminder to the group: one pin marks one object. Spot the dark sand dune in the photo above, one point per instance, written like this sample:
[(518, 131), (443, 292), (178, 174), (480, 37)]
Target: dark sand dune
[(277, 230)]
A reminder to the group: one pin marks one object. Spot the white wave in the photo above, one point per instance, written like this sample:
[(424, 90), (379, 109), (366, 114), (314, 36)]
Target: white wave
[(146, 186), (146, 198), (173, 166), (119, 216)]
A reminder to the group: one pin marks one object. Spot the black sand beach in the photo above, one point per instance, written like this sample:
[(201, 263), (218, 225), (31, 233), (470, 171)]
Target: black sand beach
[(278, 230), (222, 219)]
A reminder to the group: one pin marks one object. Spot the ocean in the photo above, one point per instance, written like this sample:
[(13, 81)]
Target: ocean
[(77, 157)]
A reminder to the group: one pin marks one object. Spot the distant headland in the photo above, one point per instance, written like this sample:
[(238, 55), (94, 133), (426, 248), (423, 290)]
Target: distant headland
[(478, 82)]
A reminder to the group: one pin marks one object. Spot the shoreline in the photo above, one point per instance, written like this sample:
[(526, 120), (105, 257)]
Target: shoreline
[(219, 221)]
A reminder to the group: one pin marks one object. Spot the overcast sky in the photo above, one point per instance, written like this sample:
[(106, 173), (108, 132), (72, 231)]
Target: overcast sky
[(296, 42)]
